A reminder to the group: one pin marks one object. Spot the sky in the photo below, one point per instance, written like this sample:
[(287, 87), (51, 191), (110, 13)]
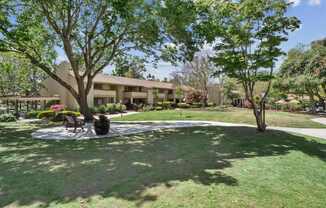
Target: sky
[(312, 14)]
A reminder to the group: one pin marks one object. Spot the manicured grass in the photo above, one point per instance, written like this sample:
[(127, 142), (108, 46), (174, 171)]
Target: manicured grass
[(198, 167), (232, 115)]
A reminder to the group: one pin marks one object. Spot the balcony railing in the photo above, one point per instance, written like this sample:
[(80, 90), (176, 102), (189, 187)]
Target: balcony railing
[(135, 94), (105, 93)]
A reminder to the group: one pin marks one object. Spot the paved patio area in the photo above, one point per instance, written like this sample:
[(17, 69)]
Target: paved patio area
[(128, 128), (116, 129)]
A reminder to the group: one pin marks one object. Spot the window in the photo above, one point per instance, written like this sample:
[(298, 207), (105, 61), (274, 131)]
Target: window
[(103, 100), (98, 86)]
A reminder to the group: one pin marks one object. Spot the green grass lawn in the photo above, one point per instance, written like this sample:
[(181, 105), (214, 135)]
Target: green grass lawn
[(198, 167), (232, 115)]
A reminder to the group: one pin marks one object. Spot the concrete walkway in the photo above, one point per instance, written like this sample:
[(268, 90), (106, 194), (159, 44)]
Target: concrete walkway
[(314, 132), (319, 120), (128, 128)]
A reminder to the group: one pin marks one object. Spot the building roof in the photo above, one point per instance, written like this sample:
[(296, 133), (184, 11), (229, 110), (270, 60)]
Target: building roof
[(132, 82), (116, 80)]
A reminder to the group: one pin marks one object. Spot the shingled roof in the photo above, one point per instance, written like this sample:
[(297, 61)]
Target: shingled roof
[(103, 78), (116, 80)]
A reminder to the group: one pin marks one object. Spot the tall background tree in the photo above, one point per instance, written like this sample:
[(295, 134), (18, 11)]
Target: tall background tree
[(197, 74), (303, 72), (132, 67), (19, 77), (91, 33), (247, 35)]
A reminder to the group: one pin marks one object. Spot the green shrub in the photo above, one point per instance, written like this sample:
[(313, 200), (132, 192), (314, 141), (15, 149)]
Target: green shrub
[(101, 109), (167, 105), (210, 104), (158, 108), (60, 115), (49, 114), (196, 105), (121, 108), (93, 110), (111, 108), (7, 117), (32, 114), (45, 114), (147, 108), (294, 106), (183, 105)]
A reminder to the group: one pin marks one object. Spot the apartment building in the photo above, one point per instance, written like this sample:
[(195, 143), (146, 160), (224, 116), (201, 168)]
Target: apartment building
[(113, 89)]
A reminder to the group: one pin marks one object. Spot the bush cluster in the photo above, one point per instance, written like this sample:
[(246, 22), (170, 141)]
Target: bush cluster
[(183, 105), (51, 115), (7, 117), (109, 108), (196, 105), (32, 114), (166, 105), (46, 114)]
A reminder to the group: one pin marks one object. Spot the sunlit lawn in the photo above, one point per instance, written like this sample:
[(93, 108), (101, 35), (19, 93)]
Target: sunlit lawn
[(232, 115), (190, 167)]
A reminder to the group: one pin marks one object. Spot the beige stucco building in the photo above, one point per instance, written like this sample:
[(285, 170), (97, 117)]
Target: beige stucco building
[(112, 89)]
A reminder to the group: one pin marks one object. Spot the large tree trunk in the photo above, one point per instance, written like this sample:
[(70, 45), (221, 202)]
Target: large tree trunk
[(82, 101), (84, 108)]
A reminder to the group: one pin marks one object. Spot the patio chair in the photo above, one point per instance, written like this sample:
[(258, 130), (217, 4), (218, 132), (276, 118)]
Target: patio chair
[(73, 122)]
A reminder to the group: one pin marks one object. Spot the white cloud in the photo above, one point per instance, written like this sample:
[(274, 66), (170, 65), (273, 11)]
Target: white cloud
[(294, 2), (314, 2), (310, 2)]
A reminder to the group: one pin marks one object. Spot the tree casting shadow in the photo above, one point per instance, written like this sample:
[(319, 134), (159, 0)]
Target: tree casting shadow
[(125, 167)]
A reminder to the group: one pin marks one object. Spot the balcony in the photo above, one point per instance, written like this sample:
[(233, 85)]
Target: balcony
[(135, 94), (161, 95), (104, 93)]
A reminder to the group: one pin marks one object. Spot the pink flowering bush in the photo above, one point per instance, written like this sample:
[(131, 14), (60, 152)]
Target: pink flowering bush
[(57, 107)]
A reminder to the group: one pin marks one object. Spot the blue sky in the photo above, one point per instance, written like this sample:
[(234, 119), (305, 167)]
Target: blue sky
[(312, 14)]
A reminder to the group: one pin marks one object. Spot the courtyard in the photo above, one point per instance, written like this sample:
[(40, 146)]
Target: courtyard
[(163, 166), (162, 104)]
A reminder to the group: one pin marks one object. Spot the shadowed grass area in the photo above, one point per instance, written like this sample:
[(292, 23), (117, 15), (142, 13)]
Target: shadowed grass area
[(231, 115), (189, 167)]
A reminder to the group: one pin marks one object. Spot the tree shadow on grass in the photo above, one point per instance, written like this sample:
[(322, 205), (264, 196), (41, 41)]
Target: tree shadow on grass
[(125, 167)]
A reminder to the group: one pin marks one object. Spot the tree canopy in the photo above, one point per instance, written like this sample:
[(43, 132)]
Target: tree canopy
[(18, 76), (247, 36), (303, 72), (93, 34)]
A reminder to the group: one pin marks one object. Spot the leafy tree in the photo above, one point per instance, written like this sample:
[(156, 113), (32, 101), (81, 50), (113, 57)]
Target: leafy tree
[(303, 72), (230, 88), (18, 76), (179, 18), (132, 67), (179, 93), (197, 73), (151, 77), (91, 33), (247, 35)]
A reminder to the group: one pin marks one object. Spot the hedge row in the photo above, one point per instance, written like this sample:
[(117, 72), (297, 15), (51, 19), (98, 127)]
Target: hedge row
[(109, 108), (51, 115)]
